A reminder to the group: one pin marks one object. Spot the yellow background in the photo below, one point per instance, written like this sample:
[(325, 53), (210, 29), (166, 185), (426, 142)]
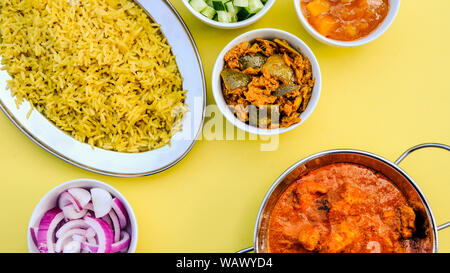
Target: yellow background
[(383, 98)]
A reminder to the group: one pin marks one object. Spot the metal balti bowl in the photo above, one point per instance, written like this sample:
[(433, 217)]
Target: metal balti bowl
[(389, 169)]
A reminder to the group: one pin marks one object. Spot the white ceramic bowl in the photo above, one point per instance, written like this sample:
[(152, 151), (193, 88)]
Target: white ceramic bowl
[(50, 201), (265, 34), (393, 10), (235, 25)]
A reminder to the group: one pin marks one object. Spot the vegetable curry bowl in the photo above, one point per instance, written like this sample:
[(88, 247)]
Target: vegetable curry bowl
[(346, 201), (266, 81)]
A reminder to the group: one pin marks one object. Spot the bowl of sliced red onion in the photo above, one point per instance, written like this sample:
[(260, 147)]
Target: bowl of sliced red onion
[(83, 216)]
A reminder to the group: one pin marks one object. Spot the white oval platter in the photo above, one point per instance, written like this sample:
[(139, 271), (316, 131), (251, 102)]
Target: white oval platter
[(55, 141)]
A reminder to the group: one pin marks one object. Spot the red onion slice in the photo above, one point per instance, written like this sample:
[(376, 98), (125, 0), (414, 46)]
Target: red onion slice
[(123, 244), (108, 220), (92, 240), (89, 247), (79, 223), (66, 199), (120, 246), (72, 247), (33, 232), (90, 233), (81, 195), (79, 238), (115, 225), (121, 212), (71, 213), (47, 228), (102, 202), (104, 233), (60, 243)]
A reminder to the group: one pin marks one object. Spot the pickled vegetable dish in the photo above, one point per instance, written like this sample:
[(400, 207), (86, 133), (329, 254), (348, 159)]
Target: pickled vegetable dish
[(267, 84), (344, 207), (345, 20)]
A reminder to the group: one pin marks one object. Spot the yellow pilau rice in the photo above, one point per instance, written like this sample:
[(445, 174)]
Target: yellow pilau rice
[(100, 70)]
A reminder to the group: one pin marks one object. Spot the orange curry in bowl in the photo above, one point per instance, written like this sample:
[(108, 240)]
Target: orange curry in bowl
[(345, 20), (344, 207)]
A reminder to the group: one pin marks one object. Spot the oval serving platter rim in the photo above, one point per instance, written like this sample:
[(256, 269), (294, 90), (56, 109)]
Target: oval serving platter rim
[(195, 135)]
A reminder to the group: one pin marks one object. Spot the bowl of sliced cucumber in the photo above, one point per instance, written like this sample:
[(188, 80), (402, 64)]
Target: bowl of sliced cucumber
[(228, 14)]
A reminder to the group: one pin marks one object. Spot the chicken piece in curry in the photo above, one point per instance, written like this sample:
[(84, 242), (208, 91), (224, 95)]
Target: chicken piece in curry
[(344, 207), (267, 84)]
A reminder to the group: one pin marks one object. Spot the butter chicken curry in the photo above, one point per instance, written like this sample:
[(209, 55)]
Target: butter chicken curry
[(344, 207)]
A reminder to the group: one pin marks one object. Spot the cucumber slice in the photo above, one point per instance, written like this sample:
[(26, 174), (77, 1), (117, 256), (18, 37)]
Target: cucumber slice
[(223, 16), (228, 11), (244, 14), (219, 5), (240, 3), (231, 8), (255, 6), (209, 12), (198, 5), (233, 17)]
